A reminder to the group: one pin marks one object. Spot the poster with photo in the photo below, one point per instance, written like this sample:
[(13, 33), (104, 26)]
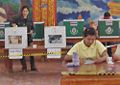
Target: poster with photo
[(55, 36), (16, 37)]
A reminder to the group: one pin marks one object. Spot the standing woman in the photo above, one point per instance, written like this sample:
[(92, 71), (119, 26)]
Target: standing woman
[(21, 21)]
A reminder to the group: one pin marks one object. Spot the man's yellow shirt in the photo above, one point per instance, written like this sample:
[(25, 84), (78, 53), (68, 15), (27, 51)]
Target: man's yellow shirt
[(94, 51)]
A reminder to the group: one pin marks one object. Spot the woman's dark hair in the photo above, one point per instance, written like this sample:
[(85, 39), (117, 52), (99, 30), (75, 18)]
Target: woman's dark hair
[(89, 31), (24, 8)]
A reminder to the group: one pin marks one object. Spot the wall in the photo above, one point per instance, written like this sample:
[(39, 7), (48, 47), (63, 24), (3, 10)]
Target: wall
[(52, 10), (45, 10), (12, 9), (94, 9)]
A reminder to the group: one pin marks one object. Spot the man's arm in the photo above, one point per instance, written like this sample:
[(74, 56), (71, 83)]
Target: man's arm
[(67, 59), (103, 57), (116, 55)]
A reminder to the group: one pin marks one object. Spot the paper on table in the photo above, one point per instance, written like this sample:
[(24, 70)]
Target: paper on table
[(89, 61)]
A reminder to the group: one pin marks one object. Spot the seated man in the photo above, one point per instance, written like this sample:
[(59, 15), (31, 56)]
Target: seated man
[(88, 48), (116, 55), (107, 15)]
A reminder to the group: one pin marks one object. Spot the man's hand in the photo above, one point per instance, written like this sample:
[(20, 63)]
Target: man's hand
[(103, 57), (99, 60)]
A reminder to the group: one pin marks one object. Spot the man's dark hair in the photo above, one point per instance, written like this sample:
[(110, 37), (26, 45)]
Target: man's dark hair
[(89, 31), (107, 14)]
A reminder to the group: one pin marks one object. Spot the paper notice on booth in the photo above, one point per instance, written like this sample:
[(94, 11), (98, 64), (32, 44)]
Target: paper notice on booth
[(15, 54), (53, 53)]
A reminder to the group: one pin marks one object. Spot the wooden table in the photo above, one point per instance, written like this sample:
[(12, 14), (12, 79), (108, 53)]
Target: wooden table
[(94, 74), (40, 51), (72, 40)]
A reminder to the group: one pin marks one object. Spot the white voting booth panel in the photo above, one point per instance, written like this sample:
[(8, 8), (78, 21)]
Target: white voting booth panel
[(55, 36), (15, 41)]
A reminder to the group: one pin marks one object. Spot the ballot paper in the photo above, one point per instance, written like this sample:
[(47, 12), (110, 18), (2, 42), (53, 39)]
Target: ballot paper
[(89, 61)]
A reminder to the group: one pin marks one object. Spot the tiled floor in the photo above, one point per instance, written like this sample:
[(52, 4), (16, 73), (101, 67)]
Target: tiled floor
[(49, 73)]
